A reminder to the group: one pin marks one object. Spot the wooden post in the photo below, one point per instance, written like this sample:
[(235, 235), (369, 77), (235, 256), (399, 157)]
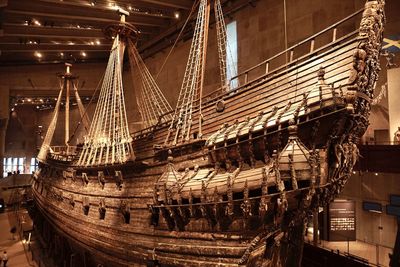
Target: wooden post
[(66, 84), (315, 228)]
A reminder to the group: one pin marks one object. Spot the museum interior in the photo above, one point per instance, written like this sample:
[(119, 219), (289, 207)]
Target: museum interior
[(199, 133)]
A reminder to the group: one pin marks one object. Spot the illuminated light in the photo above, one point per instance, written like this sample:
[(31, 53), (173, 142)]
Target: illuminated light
[(29, 100), (55, 98), (62, 54), (98, 42), (37, 107), (26, 22), (1, 206), (41, 100), (30, 42), (92, 43), (78, 26), (12, 109), (38, 54), (92, 3), (36, 22), (130, 7), (83, 54), (376, 174), (354, 172), (110, 4), (16, 104), (177, 14)]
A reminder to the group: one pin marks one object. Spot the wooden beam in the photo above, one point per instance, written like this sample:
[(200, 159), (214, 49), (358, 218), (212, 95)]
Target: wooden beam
[(57, 32), (85, 18)]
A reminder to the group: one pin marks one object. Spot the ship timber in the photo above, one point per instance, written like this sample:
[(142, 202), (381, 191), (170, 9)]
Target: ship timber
[(239, 187)]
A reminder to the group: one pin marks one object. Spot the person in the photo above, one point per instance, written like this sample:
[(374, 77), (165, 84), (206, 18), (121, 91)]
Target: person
[(5, 258), (397, 136)]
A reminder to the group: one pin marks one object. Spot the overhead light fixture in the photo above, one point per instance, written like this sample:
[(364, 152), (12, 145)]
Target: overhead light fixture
[(92, 3), (130, 7), (92, 43), (177, 14), (83, 54), (37, 23), (98, 42), (38, 54), (62, 54)]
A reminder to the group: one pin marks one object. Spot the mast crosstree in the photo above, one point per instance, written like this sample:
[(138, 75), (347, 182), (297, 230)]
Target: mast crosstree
[(66, 81)]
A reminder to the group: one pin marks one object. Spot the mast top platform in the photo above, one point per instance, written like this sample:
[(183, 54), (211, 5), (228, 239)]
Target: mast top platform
[(67, 75), (122, 28)]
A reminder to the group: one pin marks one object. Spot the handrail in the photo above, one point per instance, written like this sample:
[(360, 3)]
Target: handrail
[(333, 26)]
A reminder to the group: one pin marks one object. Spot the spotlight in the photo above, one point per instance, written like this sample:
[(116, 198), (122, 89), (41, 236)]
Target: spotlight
[(83, 54), (177, 14), (97, 42), (38, 54)]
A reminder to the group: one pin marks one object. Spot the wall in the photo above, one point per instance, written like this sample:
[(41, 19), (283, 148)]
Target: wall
[(375, 188)]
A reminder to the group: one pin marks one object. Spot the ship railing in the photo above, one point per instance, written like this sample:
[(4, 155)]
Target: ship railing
[(63, 150), (338, 32), (318, 43), (63, 153)]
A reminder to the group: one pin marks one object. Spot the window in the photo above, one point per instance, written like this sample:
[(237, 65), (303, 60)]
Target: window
[(231, 54), (34, 165), (18, 164)]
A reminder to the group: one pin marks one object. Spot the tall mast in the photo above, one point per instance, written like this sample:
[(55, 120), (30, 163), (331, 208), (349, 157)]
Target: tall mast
[(109, 140), (203, 67), (193, 81), (67, 76)]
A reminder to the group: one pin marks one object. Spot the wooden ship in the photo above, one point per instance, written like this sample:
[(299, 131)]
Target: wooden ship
[(225, 179)]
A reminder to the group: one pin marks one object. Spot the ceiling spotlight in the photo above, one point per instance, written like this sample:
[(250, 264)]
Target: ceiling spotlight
[(98, 42), (92, 3), (62, 54), (376, 174), (78, 26), (83, 54), (38, 54), (36, 22), (130, 7), (177, 14), (29, 100)]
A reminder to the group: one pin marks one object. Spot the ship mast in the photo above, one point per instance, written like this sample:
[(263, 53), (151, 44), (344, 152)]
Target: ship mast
[(109, 140), (67, 80), (192, 86)]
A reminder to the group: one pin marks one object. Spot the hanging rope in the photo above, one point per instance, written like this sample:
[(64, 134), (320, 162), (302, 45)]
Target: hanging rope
[(44, 149), (153, 106), (191, 88), (224, 50), (177, 38), (109, 141)]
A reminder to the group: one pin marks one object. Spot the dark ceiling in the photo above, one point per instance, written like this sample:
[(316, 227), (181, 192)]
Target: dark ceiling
[(54, 31), (47, 31)]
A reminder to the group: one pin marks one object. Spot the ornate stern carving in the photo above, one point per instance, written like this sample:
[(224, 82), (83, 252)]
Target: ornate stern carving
[(119, 179), (102, 209), (71, 201), (85, 179), (101, 178), (85, 205), (125, 210)]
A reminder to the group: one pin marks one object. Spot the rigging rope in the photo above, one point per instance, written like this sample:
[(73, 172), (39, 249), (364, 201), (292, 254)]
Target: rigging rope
[(44, 149), (177, 38), (192, 82), (109, 141), (153, 106)]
